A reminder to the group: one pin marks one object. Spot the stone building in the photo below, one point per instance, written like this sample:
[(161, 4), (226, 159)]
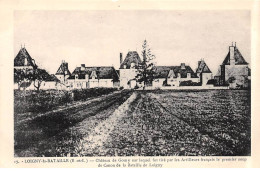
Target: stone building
[(24, 61), (204, 73), (234, 71), (171, 76), (24, 67), (90, 77), (174, 76), (128, 69), (63, 72)]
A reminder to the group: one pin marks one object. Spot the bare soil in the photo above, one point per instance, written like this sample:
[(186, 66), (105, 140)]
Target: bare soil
[(142, 123)]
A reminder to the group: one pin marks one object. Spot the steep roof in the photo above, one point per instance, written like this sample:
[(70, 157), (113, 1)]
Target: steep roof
[(203, 67), (239, 59), (63, 69), (131, 57), (100, 72), (23, 58), (52, 77), (163, 71)]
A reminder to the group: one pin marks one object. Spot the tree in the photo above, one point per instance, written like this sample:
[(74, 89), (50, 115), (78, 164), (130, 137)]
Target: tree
[(38, 76), (146, 68), (19, 77)]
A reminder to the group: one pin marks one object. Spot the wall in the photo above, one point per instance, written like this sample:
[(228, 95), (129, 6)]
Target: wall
[(126, 75), (158, 82), (77, 83), (23, 67), (206, 77), (48, 85), (61, 77), (239, 72), (104, 83)]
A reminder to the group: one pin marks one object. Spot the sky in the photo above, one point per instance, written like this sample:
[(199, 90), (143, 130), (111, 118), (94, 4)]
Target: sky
[(96, 38)]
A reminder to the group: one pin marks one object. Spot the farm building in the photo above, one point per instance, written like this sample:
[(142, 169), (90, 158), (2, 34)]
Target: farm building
[(90, 77), (234, 70)]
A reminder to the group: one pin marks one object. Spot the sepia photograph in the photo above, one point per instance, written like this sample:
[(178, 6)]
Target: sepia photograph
[(132, 83)]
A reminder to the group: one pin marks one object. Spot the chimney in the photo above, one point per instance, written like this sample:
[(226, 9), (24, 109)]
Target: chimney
[(121, 58), (65, 65), (232, 54), (82, 68), (182, 65)]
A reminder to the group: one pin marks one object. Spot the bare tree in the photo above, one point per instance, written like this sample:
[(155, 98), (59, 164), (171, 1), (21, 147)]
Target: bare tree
[(146, 68)]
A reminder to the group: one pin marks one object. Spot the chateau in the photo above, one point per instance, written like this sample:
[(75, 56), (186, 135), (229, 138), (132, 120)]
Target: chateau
[(233, 73)]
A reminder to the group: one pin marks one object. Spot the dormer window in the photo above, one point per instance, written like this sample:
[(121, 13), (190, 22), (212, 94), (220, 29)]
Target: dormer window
[(179, 75), (124, 66), (132, 65), (171, 74), (25, 62), (188, 75), (93, 75), (76, 76)]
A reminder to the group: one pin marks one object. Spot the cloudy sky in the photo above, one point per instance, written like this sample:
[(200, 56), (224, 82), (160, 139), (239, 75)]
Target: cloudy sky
[(96, 38)]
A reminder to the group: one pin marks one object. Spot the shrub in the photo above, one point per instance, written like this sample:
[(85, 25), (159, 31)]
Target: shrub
[(189, 83)]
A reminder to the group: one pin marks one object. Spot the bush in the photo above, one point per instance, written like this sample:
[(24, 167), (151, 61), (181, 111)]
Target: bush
[(83, 94), (189, 83)]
